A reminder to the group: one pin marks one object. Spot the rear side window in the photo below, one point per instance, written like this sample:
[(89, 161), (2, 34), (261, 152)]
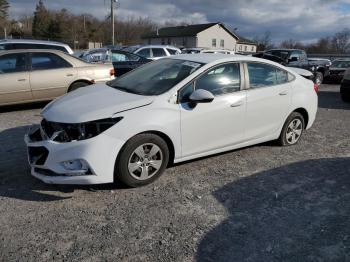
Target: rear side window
[(146, 52), (123, 57), (172, 51), (13, 63), (220, 80), (44, 61), (261, 75), (157, 52)]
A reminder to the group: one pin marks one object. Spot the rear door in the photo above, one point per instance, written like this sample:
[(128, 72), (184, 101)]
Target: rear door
[(268, 99), (50, 75), (14, 78)]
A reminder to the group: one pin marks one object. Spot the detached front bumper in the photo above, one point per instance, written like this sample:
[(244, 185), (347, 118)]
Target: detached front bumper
[(88, 161)]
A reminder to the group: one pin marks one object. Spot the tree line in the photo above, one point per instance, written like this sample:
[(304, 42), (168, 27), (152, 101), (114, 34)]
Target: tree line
[(78, 30)]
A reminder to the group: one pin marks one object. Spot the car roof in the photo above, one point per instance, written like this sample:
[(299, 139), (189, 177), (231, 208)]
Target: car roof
[(30, 41), (32, 51), (157, 46), (210, 58)]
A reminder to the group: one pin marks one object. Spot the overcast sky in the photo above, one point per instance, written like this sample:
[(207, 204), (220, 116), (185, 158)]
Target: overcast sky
[(304, 20)]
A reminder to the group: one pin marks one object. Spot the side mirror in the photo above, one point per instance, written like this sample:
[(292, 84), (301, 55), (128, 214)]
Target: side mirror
[(201, 96)]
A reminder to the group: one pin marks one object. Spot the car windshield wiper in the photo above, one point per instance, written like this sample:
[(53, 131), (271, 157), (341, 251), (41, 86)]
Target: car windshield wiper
[(124, 89)]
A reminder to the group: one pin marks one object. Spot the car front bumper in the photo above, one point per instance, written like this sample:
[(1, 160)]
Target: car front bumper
[(47, 159)]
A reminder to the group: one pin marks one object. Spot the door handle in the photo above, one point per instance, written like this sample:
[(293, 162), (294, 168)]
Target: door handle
[(283, 93), (237, 104), (69, 74), (21, 80)]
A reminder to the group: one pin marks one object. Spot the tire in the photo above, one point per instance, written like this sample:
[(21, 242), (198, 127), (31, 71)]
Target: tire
[(318, 78), (142, 160), (345, 97), (77, 85), (285, 139)]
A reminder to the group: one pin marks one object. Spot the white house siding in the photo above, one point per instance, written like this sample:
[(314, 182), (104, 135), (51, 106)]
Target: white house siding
[(206, 37), (189, 41)]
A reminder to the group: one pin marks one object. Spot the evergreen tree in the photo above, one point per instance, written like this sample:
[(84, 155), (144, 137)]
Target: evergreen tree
[(41, 21), (4, 7)]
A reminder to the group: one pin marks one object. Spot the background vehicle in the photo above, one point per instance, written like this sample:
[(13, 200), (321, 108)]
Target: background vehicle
[(337, 69), (217, 51), (345, 86), (10, 44), (153, 51), (297, 58), (124, 62), (194, 50), (171, 110), (97, 55), (38, 75)]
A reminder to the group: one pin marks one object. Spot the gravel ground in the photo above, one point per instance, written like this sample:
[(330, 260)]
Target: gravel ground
[(261, 203)]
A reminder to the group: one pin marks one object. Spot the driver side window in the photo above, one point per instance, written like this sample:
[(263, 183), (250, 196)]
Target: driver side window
[(220, 80)]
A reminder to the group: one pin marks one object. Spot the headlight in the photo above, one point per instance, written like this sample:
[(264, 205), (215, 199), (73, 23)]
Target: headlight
[(62, 132)]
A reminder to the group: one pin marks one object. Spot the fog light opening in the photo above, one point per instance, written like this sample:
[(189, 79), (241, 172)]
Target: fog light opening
[(76, 167)]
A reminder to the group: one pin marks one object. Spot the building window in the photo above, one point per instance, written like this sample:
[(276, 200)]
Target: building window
[(222, 43), (213, 42), (246, 48), (240, 48), (252, 48)]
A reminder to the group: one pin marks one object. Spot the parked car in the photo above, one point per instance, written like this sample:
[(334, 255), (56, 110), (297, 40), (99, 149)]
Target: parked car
[(39, 75), (124, 62), (194, 50), (153, 51), (10, 44), (168, 111), (97, 55), (338, 68), (345, 86), (296, 58), (217, 51)]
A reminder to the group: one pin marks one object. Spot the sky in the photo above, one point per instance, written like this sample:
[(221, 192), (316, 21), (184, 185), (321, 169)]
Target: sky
[(302, 20)]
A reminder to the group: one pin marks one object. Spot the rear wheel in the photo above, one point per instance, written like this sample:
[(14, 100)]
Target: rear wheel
[(77, 85), (142, 160), (292, 130)]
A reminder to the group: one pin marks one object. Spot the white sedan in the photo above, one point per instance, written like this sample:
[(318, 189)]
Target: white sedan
[(168, 111)]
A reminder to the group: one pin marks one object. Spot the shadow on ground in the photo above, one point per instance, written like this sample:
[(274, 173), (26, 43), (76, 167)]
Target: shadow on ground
[(298, 212), (20, 107), (331, 100), (15, 179)]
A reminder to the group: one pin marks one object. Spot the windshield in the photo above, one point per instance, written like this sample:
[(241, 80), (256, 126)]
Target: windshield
[(341, 64), (155, 78)]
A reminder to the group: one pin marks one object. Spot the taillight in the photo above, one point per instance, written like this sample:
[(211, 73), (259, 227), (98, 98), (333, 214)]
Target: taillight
[(112, 72), (316, 88)]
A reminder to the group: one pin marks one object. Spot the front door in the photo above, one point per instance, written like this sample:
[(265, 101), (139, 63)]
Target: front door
[(211, 126)]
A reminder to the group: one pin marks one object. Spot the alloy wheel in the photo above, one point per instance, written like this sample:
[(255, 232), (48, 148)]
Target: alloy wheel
[(145, 161), (294, 130)]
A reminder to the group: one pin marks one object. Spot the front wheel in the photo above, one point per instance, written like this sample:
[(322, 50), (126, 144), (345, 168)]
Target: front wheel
[(292, 129), (142, 160)]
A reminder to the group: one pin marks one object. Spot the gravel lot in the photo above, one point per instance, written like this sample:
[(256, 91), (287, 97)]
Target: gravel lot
[(262, 203)]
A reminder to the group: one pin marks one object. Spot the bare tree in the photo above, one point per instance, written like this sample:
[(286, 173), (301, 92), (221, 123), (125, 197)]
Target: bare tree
[(264, 42), (340, 41)]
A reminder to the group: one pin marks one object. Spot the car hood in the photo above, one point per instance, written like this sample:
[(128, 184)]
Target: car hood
[(92, 103)]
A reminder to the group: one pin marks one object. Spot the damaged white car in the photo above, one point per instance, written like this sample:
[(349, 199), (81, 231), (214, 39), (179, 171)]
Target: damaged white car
[(168, 111)]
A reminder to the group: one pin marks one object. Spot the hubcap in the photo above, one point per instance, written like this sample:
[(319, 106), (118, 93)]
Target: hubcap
[(294, 131), (145, 161)]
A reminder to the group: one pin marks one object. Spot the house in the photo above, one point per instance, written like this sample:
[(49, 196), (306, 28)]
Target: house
[(210, 35)]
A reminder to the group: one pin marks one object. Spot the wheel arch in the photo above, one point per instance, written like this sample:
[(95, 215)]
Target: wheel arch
[(90, 82), (304, 113)]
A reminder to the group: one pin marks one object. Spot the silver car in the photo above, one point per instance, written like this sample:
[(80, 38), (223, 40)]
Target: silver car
[(39, 75)]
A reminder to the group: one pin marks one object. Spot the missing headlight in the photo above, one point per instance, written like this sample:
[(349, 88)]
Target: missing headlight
[(64, 132)]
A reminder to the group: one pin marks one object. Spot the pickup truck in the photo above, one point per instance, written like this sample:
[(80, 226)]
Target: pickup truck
[(297, 58)]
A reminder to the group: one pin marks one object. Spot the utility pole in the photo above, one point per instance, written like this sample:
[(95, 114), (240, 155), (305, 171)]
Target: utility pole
[(112, 20)]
